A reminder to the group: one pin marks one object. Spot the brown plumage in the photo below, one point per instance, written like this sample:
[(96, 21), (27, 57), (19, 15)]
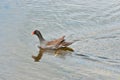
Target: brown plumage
[(54, 44)]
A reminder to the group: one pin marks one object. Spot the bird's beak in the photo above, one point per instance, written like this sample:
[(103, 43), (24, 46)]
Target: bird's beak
[(33, 33)]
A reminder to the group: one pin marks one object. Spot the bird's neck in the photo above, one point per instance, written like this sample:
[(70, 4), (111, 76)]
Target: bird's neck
[(41, 39)]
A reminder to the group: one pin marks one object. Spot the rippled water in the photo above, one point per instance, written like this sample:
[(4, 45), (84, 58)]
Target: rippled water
[(95, 23)]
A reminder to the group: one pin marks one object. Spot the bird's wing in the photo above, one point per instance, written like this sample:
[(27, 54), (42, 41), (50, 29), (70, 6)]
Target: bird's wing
[(56, 41), (65, 44)]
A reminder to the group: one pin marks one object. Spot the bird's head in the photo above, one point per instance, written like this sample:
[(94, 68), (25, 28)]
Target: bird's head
[(35, 32)]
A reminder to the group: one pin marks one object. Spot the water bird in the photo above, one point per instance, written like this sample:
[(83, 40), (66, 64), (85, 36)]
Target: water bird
[(57, 45)]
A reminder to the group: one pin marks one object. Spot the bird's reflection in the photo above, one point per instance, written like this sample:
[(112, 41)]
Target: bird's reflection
[(39, 56), (62, 51)]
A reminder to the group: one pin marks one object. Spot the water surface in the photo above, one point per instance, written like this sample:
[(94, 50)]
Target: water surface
[(96, 24)]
